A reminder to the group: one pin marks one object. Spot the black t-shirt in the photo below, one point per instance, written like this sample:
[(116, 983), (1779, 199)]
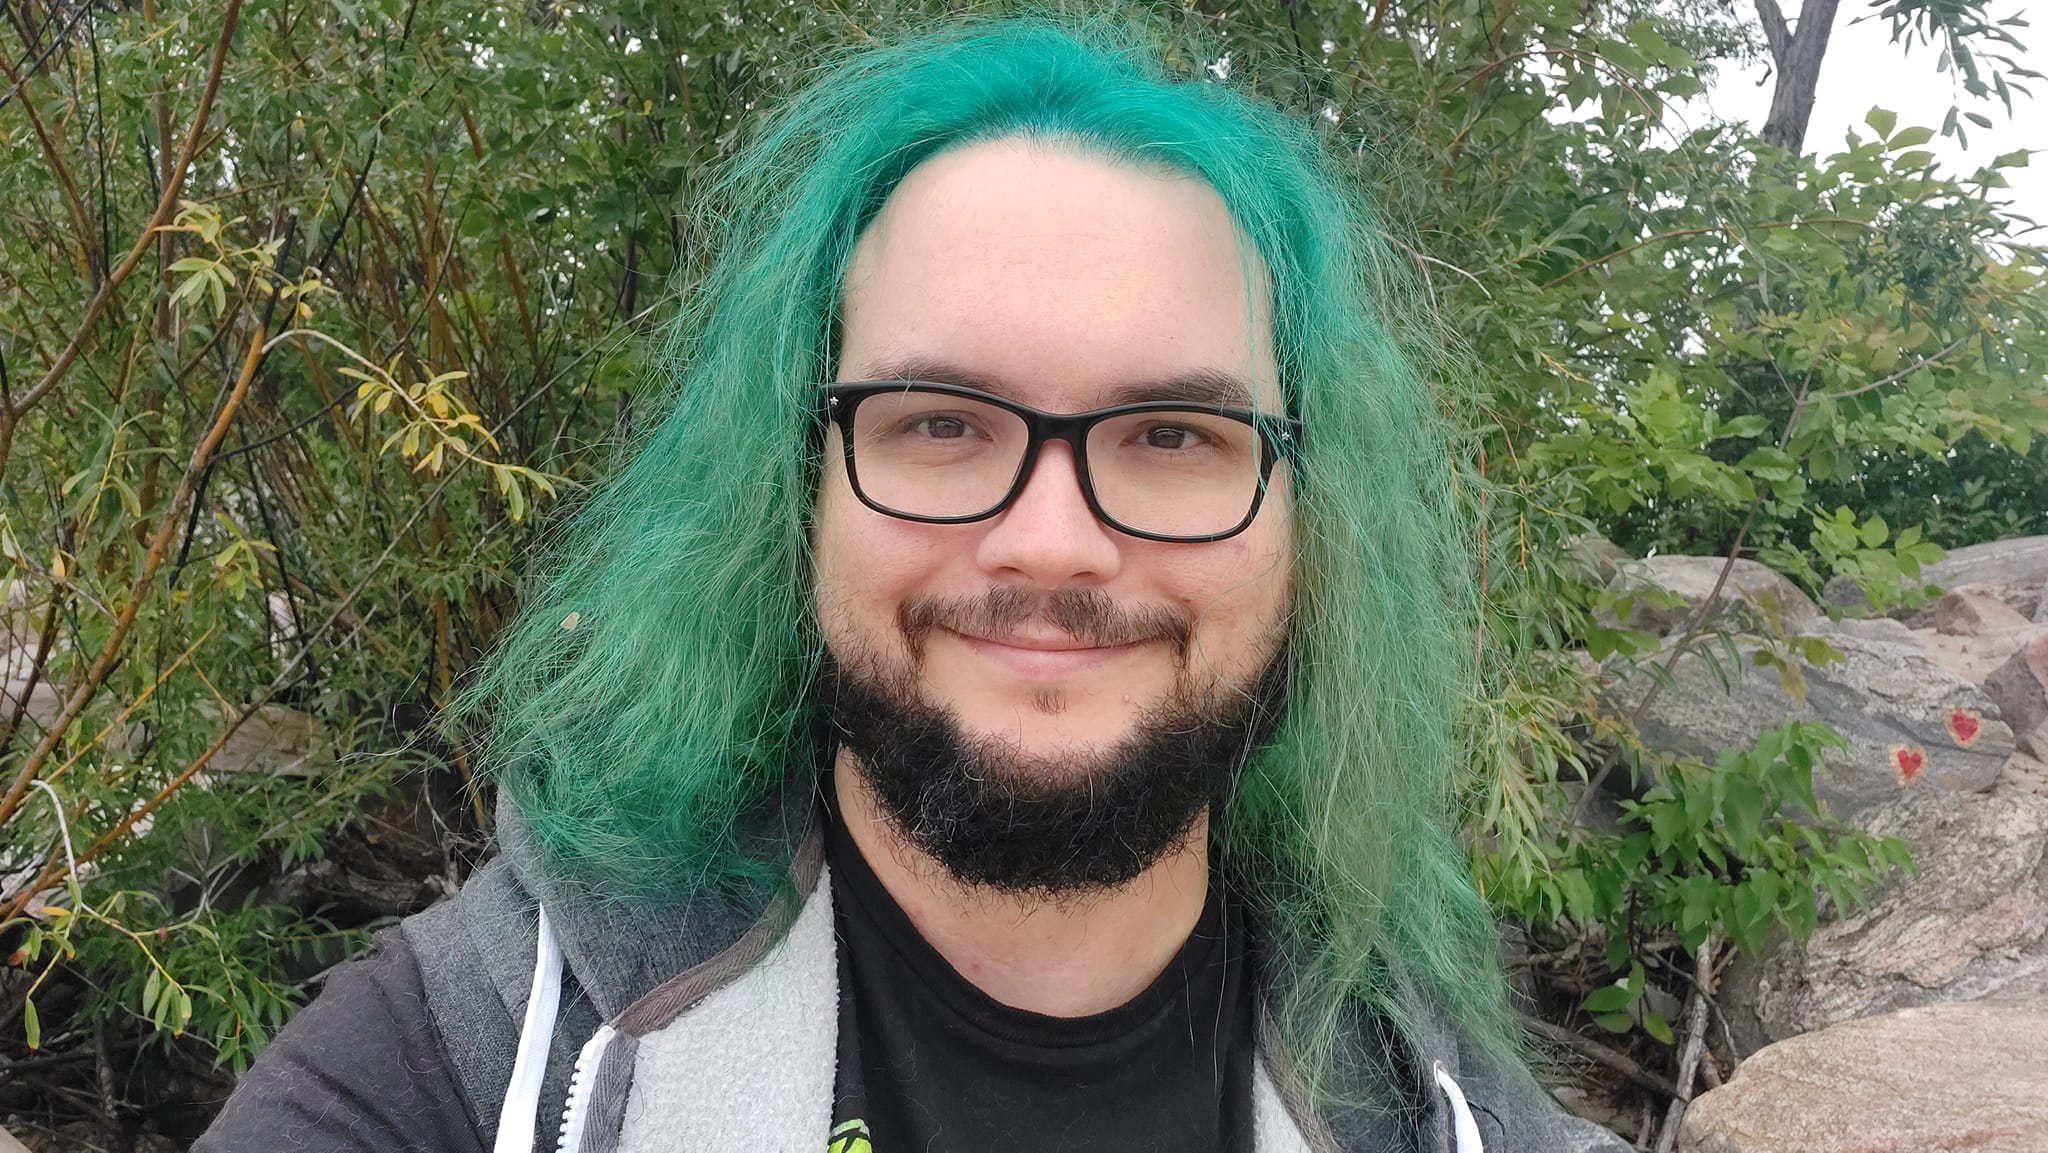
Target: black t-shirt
[(928, 1063)]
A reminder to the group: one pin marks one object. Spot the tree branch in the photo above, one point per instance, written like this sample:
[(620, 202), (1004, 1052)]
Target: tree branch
[(1777, 35), (1585, 1047), (139, 590), (162, 216), (1903, 373)]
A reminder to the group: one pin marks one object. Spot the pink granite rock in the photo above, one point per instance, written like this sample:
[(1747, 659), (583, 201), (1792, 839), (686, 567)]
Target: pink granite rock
[(1974, 610), (1937, 1080), (2019, 688)]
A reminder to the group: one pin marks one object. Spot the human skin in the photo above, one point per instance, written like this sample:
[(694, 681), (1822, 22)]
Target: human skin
[(1066, 280)]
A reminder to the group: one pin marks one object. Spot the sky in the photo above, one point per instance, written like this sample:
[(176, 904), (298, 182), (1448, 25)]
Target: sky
[(1863, 69)]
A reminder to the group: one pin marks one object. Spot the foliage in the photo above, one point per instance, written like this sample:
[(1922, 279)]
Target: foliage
[(1734, 847), (309, 314)]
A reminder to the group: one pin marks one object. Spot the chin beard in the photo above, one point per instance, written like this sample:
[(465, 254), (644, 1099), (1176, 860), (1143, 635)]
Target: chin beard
[(1065, 825)]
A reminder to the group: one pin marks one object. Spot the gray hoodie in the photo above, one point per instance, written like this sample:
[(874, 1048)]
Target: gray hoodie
[(523, 1016), (620, 1029)]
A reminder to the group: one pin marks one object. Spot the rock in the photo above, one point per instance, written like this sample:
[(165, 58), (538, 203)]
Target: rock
[(1973, 658), (1972, 611), (2020, 562), (1693, 577), (2024, 774), (1876, 629), (2019, 688), (1843, 593), (1971, 921), (277, 741), (1602, 557), (2015, 571), (1911, 725), (1941, 1080)]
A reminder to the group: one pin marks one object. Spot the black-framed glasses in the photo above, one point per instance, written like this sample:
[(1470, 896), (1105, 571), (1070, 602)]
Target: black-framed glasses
[(1157, 470)]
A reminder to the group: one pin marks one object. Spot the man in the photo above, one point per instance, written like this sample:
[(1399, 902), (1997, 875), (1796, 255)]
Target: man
[(1035, 736)]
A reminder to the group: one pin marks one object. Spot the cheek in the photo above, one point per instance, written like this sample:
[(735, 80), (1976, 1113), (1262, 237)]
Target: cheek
[(1240, 595), (864, 564)]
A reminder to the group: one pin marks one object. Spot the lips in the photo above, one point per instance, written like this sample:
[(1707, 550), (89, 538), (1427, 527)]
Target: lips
[(1036, 657)]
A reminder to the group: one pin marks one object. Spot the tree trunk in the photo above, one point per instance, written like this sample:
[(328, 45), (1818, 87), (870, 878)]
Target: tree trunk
[(1797, 54)]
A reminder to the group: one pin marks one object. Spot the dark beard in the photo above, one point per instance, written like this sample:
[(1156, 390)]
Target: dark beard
[(991, 818)]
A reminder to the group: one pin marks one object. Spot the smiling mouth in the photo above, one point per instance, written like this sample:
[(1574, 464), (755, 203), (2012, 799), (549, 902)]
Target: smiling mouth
[(1041, 657)]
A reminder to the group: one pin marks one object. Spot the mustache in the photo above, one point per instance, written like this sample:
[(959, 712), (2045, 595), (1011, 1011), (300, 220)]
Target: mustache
[(1089, 616)]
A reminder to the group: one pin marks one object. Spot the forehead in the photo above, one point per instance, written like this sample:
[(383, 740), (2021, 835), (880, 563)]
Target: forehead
[(1061, 276)]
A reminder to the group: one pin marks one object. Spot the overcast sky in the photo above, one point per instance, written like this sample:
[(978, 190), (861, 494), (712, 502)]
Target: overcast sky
[(1864, 69)]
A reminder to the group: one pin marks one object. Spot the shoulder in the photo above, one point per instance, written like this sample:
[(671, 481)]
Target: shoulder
[(1515, 1114), (361, 1069)]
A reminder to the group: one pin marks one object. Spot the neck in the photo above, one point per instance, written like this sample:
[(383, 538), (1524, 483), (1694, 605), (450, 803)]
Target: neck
[(1063, 957)]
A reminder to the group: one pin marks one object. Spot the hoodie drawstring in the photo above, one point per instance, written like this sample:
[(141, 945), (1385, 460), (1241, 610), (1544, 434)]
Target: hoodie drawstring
[(522, 1095), (1462, 1124)]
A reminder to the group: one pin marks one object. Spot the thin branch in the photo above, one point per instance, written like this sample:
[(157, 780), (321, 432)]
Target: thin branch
[(165, 206), (1695, 1040), (1903, 373), (50, 875), (125, 621), (1727, 228), (1586, 1047)]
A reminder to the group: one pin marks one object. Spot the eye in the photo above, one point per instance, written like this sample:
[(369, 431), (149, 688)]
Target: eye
[(941, 426), (1170, 436)]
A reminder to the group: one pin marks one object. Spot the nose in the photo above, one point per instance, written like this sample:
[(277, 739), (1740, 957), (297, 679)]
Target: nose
[(1048, 535)]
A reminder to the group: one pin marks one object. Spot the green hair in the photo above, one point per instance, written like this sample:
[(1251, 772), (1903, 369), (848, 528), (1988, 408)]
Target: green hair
[(654, 687)]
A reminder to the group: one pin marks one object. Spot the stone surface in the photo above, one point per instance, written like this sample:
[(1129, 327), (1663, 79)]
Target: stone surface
[(2015, 571), (2024, 774), (1911, 725), (2019, 688), (1844, 593), (1973, 658), (1943, 1080), (1971, 921), (2019, 561), (277, 741), (1602, 557), (1876, 629), (1693, 577), (1974, 610)]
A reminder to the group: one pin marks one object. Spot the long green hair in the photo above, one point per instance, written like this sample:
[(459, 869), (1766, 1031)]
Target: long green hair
[(654, 688)]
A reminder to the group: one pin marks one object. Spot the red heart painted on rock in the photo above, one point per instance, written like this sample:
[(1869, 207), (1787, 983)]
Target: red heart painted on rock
[(1908, 760), (1964, 725)]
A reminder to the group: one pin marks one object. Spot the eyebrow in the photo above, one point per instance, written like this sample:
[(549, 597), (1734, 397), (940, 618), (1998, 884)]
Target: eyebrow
[(1200, 386)]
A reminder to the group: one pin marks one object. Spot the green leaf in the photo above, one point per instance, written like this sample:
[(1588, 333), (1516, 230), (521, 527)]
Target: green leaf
[(1608, 999), (31, 1024), (1769, 463), (1749, 424), (1615, 1022), (1910, 138), (1883, 121), (1658, 1027), (1742, 812)]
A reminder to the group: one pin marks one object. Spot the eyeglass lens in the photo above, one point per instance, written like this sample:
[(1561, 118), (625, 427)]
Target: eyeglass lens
[(1169, 473)]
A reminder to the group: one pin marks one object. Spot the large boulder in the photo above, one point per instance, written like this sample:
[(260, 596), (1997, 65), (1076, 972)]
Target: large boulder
[(1911, 725), (1941, 1080), (1971, 921), (1749, 586), (1972, 658), (2019, 688), (2016, 571), (2024, 774), (1974, 610)]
